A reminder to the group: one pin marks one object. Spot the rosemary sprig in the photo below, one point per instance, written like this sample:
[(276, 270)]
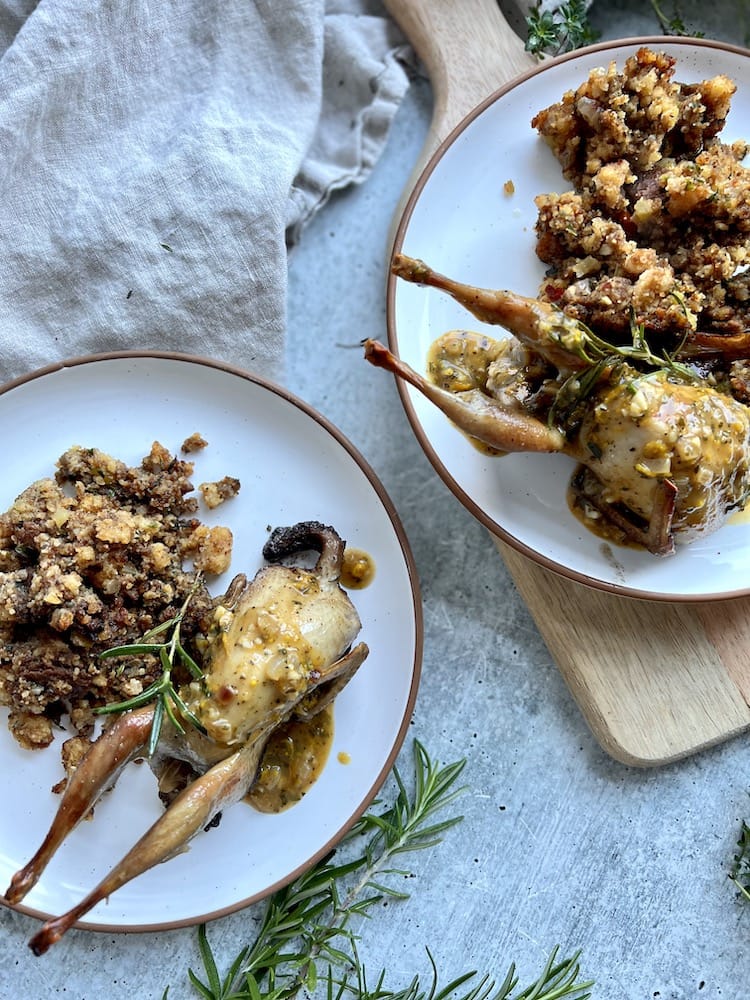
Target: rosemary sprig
[(305, 941), (557, 981), (601, 357), (581, 340), (740, 871), (162, 691)]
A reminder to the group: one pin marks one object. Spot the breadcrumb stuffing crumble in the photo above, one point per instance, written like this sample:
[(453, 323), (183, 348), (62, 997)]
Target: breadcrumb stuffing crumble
[(215, 494), (90, 558), (656, 229)]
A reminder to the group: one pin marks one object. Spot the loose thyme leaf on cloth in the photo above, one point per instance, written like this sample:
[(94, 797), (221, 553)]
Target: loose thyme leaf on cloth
[(155, 157)]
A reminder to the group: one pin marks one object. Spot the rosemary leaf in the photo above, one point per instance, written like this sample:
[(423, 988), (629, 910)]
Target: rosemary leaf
[(209, 964), (159, 629), (361, 907), (189, 662), (133, 649), (305, 941), (186, 713), (155, 732), (202, 990), (170, 713), (558, 980), (147, 695), (162, 691)]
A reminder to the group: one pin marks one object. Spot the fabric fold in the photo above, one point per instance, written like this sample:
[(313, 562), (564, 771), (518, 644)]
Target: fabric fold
[(156, 160)]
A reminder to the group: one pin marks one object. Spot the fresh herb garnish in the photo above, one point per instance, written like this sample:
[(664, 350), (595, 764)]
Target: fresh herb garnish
[(673, 24), (162, 691), (558, 30), (600, 358), (567, 26), (592, 349), (306, 941)]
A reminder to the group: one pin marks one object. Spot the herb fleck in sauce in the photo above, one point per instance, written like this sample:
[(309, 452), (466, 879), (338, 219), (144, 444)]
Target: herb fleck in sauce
[(292, 762)]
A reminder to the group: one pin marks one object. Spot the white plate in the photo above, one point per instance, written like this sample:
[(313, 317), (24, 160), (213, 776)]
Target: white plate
[(460, 220), (293, 466)]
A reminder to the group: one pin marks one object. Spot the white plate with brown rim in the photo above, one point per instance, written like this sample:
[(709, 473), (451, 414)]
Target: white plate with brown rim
[(461, 220), (293, 466)]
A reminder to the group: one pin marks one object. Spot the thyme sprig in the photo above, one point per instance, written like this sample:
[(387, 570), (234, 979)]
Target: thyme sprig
[(674, 23), (306, 942), (162, 691), (740, 871), (559, 30), (565, 27)]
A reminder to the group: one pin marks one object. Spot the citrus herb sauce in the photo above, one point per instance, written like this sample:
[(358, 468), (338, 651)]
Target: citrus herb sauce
[(358, 569), (292, 762), (298, 751)]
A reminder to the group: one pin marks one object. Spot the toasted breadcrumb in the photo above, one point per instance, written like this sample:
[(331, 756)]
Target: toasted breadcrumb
[(657, 229), (91, 559), (211, 549), (196, 442), (214, 494)]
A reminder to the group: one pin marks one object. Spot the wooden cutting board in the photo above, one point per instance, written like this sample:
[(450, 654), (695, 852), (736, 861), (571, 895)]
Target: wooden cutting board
[(655, 681)]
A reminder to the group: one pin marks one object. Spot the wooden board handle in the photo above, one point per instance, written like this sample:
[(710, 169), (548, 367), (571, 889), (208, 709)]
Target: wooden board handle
[(468, 49)]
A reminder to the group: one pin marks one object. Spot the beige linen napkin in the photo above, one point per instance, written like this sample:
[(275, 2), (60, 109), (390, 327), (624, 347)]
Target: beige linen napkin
[(156, 158)]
